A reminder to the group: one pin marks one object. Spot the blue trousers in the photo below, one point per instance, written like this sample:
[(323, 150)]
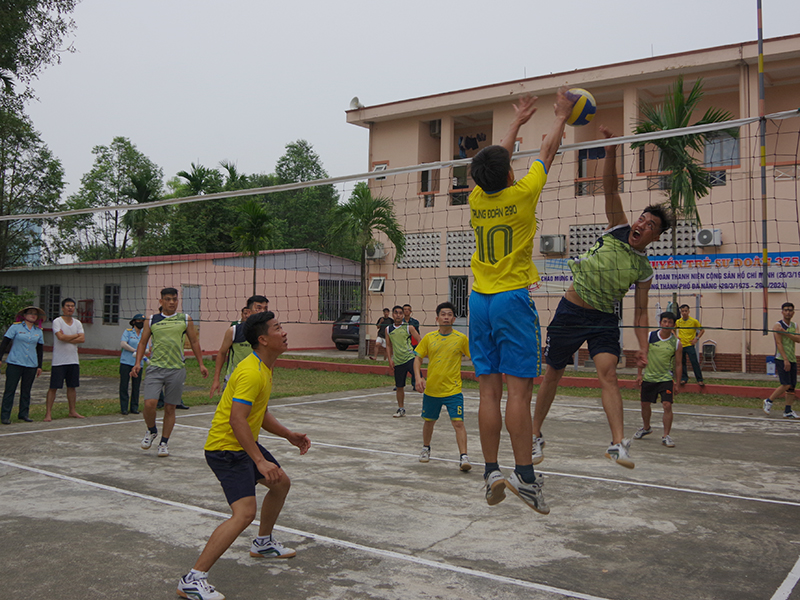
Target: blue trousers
[(691, 353), (13, 375)]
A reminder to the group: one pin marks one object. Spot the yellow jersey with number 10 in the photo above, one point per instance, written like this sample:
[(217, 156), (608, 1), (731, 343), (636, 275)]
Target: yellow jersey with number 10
[(504, 225)]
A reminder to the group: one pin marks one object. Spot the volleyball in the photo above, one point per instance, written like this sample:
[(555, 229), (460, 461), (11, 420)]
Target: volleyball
[(584, 108)]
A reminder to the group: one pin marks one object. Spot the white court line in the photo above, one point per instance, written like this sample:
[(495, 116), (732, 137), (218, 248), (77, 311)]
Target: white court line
[(319, 538), (782, 593)]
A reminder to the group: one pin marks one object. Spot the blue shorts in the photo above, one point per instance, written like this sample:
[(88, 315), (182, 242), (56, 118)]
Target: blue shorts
[(236, 471), (432, 407), (572, 325), (785, 377), (504, 334)]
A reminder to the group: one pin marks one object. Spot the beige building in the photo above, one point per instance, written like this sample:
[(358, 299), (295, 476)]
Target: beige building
[(716, 269)]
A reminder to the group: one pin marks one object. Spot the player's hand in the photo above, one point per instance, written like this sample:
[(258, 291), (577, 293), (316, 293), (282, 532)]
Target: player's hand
[(38, 372), (565, 101), (391, 363), (135, 371), (271, 472), (787, 365), (607, 133), (214, 389), (300, 440), (203, 370), (421, 383), (524, 109), (641, 358), (639, 381)]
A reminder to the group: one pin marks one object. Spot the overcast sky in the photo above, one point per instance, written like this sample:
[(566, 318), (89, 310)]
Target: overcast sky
[(204, 81)]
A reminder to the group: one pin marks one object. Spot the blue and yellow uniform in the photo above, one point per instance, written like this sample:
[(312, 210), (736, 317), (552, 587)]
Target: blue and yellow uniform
[(504, 326), (443, 385)]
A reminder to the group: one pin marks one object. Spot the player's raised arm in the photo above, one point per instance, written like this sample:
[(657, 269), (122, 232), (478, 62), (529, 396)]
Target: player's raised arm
[(614, 211), (563, 107), (523, 111)]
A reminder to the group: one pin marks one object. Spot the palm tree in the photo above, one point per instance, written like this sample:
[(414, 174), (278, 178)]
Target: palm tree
[(253, 233), (688, 180), (145, 187), (359, 220)]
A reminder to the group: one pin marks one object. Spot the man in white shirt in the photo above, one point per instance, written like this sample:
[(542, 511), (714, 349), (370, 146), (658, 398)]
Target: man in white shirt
[(67, 334)]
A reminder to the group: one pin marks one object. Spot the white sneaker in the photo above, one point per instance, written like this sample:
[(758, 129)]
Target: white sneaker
[(270, 549), (538, 450), (495, 485), (667, 441), (529, 493), (767, 405), (163, 450), (791, 415), (401, 412), (464, 464), (621, 454), (197, 589), (425, 455), (641, 433), (148, 440)]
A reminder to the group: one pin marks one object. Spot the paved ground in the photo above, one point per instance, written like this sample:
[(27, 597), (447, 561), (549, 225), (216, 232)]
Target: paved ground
[(87, 514)]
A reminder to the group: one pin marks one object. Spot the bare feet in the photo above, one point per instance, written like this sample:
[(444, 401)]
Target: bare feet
[(76, 416), (47, 418)]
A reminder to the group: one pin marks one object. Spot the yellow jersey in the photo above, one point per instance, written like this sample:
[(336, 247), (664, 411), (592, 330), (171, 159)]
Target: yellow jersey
[(444, 362), (687, 330)]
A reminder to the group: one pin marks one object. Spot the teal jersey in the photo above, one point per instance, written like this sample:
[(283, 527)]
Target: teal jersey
[(603, 275), (660, 358), (786, 349), (240, 349), (168, 333), (402, 350)]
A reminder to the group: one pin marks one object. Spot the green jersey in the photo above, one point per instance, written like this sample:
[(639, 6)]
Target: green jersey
[(660, 358), (402, 351), (168, 333), (603, 275), (240, 349), (785, 351)]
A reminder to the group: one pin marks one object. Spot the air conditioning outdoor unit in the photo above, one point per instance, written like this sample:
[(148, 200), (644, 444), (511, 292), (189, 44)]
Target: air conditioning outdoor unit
[(553, 244), (709, 237), (376, 251), (436, 128)]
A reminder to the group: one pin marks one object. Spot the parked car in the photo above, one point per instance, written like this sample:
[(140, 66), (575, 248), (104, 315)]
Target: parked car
[(345, 329)]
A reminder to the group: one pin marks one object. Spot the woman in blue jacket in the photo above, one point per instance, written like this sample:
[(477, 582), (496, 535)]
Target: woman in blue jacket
[(24, 342)]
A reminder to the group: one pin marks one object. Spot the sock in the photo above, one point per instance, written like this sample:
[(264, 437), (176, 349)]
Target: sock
[(489, 468), (262, 539), (462, 455), (787, 408), (153, 429), (525, 473), (428, 448), (164, 440), (194, 574)]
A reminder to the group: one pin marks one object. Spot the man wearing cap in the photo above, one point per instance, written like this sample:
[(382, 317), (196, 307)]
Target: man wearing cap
[(24, 342), (129, 343)]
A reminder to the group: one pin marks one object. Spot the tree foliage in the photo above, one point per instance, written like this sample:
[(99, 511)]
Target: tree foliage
[(253, 233), (118, 169), (10, 304), (31, 181), (31, 36)]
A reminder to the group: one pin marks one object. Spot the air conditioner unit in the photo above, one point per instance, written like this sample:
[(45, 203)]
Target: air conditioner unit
[(709, 237), (375, 251), (553, 244), (436, 128)]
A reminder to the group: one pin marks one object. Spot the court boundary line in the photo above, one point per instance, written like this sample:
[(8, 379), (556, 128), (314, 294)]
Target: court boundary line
[(316, 537), (785, 589)]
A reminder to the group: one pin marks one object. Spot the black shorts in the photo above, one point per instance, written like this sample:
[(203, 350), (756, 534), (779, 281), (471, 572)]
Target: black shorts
[(400, 372), (785, 377), (61, 373), (236, 471), (651, 390), (572, 325)]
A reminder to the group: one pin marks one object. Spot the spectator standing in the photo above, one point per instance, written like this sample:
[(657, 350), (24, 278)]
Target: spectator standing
[(380, 341), (689, 332), (127, 358), (24, 342), (67, 334)]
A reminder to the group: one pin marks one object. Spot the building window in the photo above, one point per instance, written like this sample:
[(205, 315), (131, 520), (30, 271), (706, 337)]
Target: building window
[(337, 296), (377, 167), (427, 200), (721, 150), (111, 295), (429, 180), (459, 295), (50, 300)]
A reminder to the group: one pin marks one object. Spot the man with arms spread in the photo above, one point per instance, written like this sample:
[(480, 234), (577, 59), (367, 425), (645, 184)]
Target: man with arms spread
[(234, 346), (67, 334), (167, 370), (689, 332), (444, 349), (601, 278), (504, 326), (240, 462), (786, 336)]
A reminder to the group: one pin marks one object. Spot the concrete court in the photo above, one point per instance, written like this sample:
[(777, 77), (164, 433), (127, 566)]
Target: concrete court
[(87, 514)]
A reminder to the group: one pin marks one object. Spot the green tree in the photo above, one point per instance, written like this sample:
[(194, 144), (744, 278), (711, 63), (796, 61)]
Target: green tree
[(31, 36), (145, 186), (11, 304), (359, 220), (253, 233), (31, 181), (105, 234)]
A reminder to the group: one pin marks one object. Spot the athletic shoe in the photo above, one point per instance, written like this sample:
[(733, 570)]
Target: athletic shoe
[(620, 453), (667, 441), (163, 450), (791, 415), (197, 589), (495, 485), (401, 412), (538, 450), (425, 455), (529, 493), (767, 405), (464, 464), (270, 549), (148, 440), (641, 433)]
